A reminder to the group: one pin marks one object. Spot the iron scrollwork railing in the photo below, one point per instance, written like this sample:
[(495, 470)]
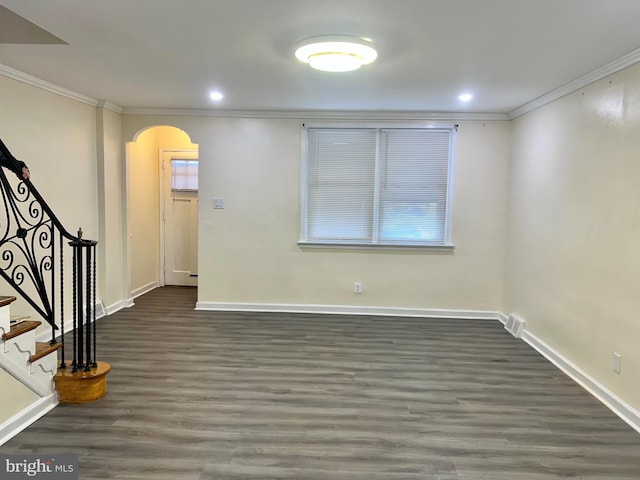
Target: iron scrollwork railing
[(32, 261)]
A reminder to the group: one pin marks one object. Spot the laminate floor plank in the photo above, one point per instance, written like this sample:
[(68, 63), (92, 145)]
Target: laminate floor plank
[(262, 396)]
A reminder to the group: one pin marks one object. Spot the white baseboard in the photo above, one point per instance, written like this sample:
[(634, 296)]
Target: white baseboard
[(614, 403), (117, 306), (348, 310), (45, 336), (144, 289), (26, 417), (100, 310)]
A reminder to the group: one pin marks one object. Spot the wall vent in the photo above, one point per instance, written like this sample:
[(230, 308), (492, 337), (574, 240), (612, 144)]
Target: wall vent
[(514, 325)]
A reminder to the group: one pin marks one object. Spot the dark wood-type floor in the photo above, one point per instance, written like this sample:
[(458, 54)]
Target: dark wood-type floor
[(229, 396)]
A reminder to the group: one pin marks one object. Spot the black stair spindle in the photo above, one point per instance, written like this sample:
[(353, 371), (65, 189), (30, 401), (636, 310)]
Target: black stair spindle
[(53, 286), (75, 312), (62, 363), (88, 312), (79, 304), (93, 302)]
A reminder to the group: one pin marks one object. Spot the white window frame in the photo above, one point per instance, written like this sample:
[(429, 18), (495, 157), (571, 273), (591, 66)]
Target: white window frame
[(447, 243)]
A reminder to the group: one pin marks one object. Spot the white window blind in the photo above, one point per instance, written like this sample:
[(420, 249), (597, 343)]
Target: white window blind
[(184, 174), (377, 186)]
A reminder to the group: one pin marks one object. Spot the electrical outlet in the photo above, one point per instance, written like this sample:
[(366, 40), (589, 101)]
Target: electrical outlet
[(357, 287), (617, 363), (218, 203)]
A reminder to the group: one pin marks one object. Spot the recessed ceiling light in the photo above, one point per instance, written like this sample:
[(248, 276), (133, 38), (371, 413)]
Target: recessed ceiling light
[(465, 97), (216, 96), (336, 53)]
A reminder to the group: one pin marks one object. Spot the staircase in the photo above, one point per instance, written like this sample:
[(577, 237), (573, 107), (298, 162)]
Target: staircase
[(54, 272), (33, 363)]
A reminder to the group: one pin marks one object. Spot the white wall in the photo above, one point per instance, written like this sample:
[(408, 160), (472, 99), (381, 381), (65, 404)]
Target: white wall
[(572, 229), (15, 397), (143, 210), (112, 281), (573, 262), (248, 251), (56, 137)]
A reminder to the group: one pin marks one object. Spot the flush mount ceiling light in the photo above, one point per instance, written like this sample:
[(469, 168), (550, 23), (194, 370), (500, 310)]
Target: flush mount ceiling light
[(336, 53)]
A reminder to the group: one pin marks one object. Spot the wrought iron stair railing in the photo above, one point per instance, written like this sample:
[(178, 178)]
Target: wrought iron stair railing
[(45, 264)]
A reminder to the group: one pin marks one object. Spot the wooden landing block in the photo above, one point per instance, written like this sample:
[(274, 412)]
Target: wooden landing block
[(82, 387)]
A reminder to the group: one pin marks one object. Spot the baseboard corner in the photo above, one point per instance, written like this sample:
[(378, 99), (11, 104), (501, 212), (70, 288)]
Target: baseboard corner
[(26, 417), (119, 305), (618, 406)]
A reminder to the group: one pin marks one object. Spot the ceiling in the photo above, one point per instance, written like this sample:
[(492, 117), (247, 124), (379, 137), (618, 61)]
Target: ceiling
[(171, 54)]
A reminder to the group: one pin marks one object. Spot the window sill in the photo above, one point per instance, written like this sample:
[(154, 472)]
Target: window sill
[(369, 246)]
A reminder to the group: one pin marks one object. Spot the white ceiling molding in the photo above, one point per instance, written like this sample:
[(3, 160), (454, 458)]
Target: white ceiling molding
[(610, 68), (14, 74), (598, 74), (109, 106), (22, 77), (317, 114)]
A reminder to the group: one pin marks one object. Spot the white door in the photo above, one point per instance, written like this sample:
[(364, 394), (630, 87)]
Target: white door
[(180, 217)]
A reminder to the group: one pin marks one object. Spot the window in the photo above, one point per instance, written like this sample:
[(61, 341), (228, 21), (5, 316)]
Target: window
[(184, 175), (377, 186)]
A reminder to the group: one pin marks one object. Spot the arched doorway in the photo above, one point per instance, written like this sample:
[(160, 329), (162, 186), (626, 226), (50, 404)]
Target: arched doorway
[(161, 209)]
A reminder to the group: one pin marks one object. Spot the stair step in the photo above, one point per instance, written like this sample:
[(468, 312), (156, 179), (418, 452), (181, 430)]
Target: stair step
[(21, 328), (16, 319), (5, 300), (43, 349)]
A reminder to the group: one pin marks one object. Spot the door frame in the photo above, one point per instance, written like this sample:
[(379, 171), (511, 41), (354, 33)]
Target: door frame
[(168, 153)]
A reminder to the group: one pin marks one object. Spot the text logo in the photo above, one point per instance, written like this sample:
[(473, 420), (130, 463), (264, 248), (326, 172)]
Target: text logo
[(38, 467)]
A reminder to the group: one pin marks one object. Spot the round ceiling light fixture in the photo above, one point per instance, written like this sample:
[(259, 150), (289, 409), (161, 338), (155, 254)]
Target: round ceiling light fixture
[(336, 53)]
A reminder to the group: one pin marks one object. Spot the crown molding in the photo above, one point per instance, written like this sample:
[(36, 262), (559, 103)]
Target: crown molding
[(318, 114), (44, 85), (598, 74), (22, 77), (109, 106), (14, 74), (610, 68)]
